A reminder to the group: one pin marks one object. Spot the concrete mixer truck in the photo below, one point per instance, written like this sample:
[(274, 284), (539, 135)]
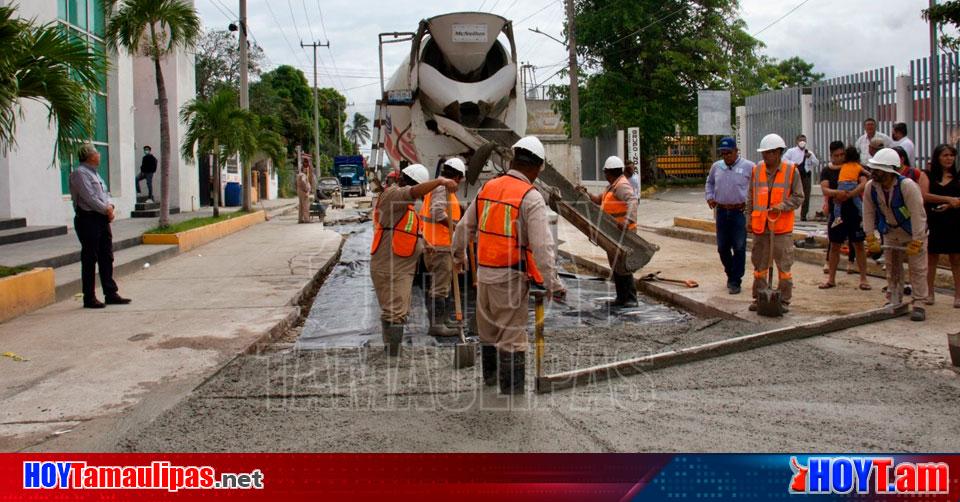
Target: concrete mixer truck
[(457, 93)]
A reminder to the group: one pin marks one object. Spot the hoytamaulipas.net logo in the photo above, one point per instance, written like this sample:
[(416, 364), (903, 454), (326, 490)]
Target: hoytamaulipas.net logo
[(159, 475), (868, 475)]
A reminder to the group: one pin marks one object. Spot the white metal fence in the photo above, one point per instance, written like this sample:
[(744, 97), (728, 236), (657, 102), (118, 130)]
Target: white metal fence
[(925, 135), (770, 112), (840, 105)]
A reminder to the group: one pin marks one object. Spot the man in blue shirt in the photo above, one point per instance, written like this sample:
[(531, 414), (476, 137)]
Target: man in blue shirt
[(726, 193)]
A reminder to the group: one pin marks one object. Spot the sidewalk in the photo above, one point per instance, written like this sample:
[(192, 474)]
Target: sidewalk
[(683, 259), (90, 375)]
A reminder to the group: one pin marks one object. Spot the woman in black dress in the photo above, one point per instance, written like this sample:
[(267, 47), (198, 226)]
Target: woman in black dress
[(941, 197)]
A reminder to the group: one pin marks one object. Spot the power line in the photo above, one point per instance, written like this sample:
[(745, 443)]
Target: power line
[(276, 20), (780, 18), (309, 23), (550, 3), (323, 26)]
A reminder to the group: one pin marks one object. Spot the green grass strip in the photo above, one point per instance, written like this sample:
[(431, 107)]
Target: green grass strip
[(192, 223)]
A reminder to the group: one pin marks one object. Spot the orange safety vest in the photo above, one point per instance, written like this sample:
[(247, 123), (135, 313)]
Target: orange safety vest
[(438, 234), (765, 196), (614, 206), (498, 244), (405, 232)]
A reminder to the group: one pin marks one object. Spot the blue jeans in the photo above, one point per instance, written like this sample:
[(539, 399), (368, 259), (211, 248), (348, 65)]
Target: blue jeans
[(149, 178), (732, 243)]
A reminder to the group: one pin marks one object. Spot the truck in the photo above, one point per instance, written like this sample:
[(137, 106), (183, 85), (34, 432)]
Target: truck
[(457, 93), (351, 171)]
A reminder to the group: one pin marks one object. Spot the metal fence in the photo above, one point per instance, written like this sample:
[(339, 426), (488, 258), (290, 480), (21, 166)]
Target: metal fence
[(840, 105), (924, 136), (771, 112)]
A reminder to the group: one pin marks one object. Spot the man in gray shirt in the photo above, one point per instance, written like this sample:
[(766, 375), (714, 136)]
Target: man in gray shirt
[(94, 213)]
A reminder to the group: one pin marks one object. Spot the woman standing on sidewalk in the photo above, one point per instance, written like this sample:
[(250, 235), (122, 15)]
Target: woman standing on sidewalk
[(941, 195)]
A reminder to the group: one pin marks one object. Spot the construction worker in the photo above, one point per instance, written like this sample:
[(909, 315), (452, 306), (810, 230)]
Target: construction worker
[(396, 248), (893, 205), (514, 246), (776, 192), (440, 208), (303, 194), (620, 202)]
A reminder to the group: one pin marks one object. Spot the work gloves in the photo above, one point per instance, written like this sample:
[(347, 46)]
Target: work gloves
[(873, 244), (914, 248)]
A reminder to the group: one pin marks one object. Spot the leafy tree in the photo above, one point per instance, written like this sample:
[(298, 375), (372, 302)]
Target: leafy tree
[(218, 62), (154, 28), (284, 102), (213, 126), (254, 139), (359, 130), (646, 59), (947, 12), (42, 63), (333, 111)]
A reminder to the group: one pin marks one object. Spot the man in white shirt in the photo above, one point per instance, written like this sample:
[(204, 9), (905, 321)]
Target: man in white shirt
[(900, 139), (863, 142), (805, 161)]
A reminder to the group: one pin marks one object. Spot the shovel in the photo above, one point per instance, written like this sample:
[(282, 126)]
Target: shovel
[(683, 282), (769, 302), (538, 297), (464, 353)]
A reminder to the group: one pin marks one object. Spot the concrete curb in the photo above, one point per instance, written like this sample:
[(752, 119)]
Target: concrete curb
[(26, 292), (197, 237)]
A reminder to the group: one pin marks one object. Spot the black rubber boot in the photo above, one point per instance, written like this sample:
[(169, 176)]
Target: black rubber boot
[(437, 314), (392, 337), (629, 288), (488, 361), (618, 301), (512, 372)]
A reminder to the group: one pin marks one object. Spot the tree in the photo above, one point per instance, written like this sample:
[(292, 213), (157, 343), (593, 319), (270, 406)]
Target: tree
[(254, 139), (283, 100), (213, 127), (647, 74), (154, 28), (359, 130), (333, 112), (42, 63), (217, 62), (947, 12)]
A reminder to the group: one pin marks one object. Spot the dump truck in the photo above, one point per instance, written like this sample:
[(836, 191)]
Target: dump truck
[(457, 93), (351, 172)]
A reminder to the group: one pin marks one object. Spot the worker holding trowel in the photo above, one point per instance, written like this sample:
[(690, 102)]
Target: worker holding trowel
[(440, 208), (619, 201), (893, 206), (508, 219), (776, 192), (396, 248)]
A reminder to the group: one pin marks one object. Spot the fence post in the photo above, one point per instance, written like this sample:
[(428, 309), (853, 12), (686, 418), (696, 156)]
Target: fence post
[(905, 102), (806, 119), (621, 144)]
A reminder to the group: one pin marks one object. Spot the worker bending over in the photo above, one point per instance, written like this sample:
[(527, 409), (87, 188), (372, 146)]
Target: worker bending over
[(396, 248), (440, 208), (619, 201), (514, 246), (776, 192)]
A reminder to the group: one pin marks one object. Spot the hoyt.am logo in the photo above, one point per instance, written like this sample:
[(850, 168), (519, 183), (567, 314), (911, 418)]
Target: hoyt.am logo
[(868, 475)]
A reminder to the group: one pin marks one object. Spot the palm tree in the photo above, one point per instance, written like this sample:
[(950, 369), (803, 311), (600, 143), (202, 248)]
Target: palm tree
[(254, 139), (44, 64), (213, 127), (154, 28), (359, 130)]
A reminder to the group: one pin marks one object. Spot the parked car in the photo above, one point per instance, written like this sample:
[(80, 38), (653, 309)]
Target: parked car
[(326, 186)]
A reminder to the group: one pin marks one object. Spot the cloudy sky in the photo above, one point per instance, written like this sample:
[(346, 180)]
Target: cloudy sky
[(839, 37)]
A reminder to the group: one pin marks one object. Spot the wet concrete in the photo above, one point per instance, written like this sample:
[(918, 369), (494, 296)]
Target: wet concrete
[(345, 312)]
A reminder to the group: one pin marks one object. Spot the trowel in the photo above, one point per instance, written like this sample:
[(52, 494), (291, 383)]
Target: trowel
[(464, 353), (769, 301)]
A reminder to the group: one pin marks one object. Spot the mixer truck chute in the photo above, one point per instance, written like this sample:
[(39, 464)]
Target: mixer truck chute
[(457, 94)]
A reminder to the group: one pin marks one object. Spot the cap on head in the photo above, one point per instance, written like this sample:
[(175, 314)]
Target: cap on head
[(417, 173), (531, 145), (876, 143), (612, 162), (727, 143), (771, 142), (456, 163), (887, 159)]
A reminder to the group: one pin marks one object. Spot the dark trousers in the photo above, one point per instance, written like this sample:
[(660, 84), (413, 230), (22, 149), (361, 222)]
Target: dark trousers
[(732, 243), (96, 249), (149, 178), (805, 178)]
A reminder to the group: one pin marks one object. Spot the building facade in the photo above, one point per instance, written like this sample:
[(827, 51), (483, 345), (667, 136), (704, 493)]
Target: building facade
[(33, 185)]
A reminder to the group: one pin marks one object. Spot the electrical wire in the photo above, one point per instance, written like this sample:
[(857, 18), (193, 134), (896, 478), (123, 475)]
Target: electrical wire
[(781, 18), (276, 20), (550, 3)]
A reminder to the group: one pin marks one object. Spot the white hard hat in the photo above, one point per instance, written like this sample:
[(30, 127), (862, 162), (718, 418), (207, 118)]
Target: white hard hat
[(532, 145), (771, 142), (887, 159), (417, 172), (456, 164), (613, 162)]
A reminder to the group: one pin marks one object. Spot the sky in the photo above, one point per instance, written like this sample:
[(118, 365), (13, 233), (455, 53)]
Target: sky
[(839, 36)]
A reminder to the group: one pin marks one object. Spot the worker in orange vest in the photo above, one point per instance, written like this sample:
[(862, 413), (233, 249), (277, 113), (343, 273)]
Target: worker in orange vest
[(776, 192), (508, 220), (396, 248), (619, 200), (440, 208)]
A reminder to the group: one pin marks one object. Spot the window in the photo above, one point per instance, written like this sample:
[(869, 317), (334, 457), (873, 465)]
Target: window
[(83, 20)]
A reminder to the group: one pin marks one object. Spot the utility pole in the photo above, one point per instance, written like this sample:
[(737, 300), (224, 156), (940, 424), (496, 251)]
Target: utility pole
[(316, 115), (574, 79), (340, 127), (245, 101), (934, 82)]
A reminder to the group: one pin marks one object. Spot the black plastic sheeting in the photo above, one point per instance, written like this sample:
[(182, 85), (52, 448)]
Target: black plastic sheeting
[(345, 312)]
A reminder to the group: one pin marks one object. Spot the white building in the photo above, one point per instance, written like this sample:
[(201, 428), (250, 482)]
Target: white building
[(126, 116)]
